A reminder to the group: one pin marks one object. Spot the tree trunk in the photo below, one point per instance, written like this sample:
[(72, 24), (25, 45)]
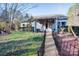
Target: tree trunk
[(16, 27)]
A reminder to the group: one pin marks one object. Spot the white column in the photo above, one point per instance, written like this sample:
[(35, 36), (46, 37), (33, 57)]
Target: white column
[(35, 27), (56, 26), (42, 25)]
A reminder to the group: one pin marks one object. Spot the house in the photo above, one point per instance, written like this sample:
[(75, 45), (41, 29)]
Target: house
[(23, 26), (55, 22)]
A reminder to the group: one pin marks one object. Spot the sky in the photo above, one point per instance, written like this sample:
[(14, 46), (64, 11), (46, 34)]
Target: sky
[(50, 9)]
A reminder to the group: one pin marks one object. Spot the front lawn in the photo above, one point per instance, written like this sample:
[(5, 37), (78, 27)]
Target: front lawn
[(20, 43)]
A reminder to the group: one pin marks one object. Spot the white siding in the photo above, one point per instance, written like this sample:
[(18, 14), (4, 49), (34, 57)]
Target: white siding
[(24, 24)]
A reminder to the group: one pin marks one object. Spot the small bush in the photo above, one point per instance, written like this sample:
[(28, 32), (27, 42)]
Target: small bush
[(2, 25)]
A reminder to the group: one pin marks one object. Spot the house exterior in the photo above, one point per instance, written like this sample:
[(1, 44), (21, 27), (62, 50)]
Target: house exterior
[(59, 22), (23, 26), (55, 22)]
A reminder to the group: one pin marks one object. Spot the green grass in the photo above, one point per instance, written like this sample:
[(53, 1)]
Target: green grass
[(20, 43)]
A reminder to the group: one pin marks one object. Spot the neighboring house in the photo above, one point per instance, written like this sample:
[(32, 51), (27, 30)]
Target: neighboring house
[(23, 26)]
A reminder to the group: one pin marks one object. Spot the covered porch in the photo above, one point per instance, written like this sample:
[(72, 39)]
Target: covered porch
[(46, 22)]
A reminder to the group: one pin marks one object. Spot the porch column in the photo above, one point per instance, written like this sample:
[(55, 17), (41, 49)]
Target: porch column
[(35, 26), (44, 25), (56, 24), (48, 24)]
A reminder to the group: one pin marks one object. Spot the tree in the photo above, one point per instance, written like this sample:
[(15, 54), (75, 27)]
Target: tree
[(12, 11), (71, 17)]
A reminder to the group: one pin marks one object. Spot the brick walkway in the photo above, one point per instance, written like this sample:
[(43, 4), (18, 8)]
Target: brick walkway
[(50, 47)]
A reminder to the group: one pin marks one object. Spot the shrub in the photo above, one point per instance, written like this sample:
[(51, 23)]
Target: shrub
[(2, 25)]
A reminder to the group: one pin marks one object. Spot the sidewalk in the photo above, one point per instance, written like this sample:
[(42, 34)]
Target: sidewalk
[(50, 47)]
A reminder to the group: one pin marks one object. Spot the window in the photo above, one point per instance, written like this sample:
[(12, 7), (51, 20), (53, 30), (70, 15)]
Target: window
[(63, 23), (58, 24), (23, 25)]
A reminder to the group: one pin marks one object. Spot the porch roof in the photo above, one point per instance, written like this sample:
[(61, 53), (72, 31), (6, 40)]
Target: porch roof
[(49, 17)]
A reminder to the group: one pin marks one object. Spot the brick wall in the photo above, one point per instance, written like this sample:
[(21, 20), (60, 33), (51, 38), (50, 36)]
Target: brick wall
[(67, 44)]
